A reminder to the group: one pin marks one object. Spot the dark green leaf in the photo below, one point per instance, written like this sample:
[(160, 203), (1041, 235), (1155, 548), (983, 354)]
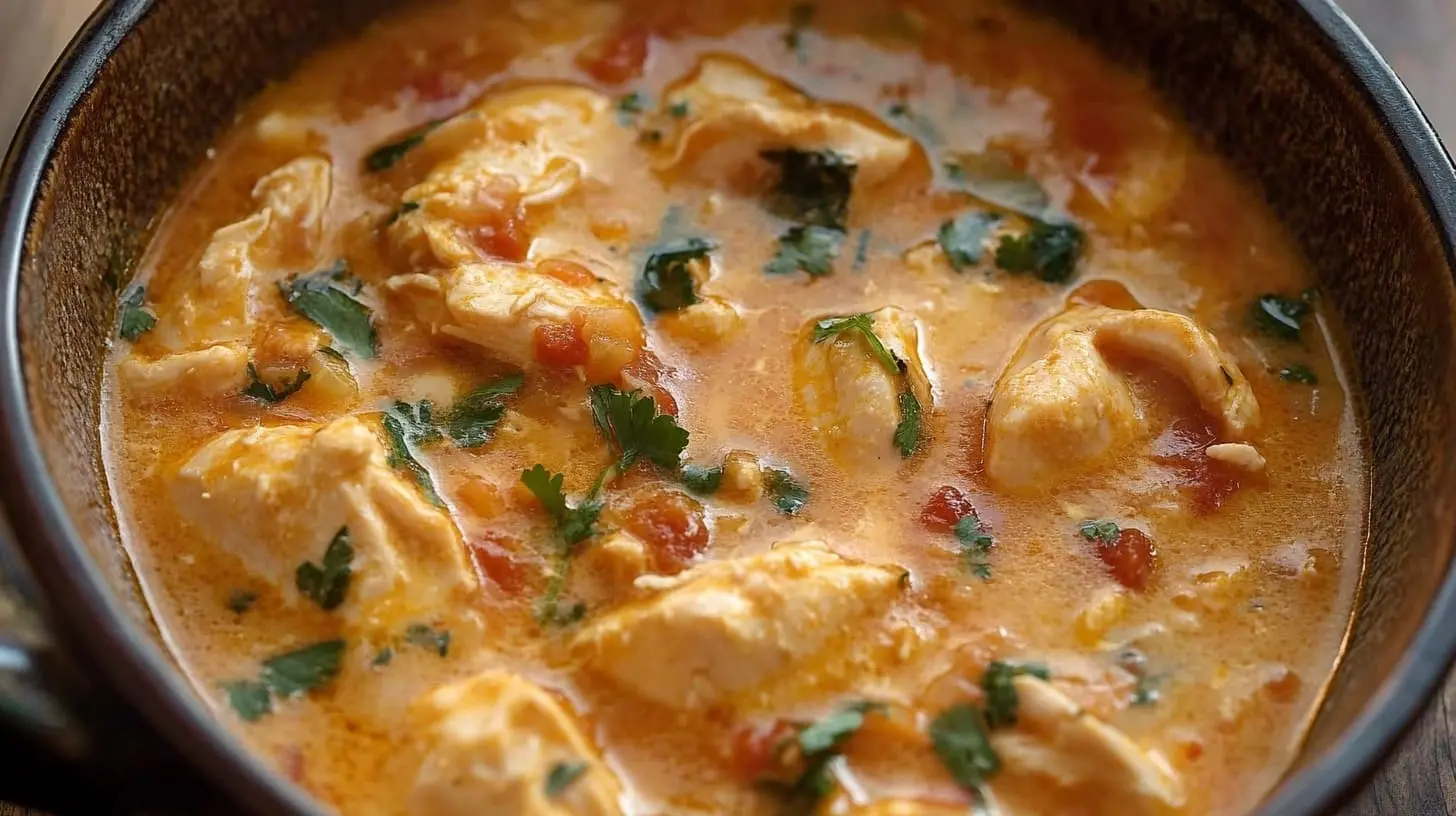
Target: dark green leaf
[(993, 178), (976, 545), (1148, 690), (702, 480), (814, 187), (383, 658), (958, 735), (401, 422), (1298, 374), (1050, 251), (864, 324), (327, 299), (428, 637), (633, 426), (265, 393), (678, 110), (561, 776), (136, 319), (811, 249), (1281, 316), (963, 238), (574, 524), (1001, 701), (388, 155), (830, 733), (302, 670), (474, 417), (239, 600), (1093, 530), (907, 432), (326, 585), (249, 698), (630, 106), (786, 494), (668, 283)]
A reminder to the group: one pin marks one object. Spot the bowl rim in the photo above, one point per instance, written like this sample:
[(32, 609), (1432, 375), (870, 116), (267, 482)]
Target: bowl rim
[(80, 601)]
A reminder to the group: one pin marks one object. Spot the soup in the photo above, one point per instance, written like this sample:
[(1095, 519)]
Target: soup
[(874, 408)]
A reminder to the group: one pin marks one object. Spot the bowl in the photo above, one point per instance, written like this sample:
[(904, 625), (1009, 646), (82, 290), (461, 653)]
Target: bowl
[(91, 704)]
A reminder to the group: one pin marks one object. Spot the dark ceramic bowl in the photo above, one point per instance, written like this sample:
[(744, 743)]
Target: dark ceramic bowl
[(94, 707)]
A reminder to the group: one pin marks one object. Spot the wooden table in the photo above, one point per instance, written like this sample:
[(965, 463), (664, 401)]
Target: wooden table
[(1420, 779)]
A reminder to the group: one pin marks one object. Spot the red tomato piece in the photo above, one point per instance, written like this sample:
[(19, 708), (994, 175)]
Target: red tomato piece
[(568, 272), (947, 506), (617, 57), (1130, 557), (672, 525), (1206, 482), (648, 373), (496, 560), (757, 749), (560, 345)]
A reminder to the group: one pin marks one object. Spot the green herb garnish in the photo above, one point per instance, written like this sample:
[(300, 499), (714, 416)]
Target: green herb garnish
[(959, 736), (562, 775), (1047, 250), (814, 187), (249, 698), (387, 156), (302, 670), (786, 494), (136, 319), (328, 299), (633, 426), (908, 430), (1106, 531), (630, 106), (1280, 316), (574, 524), (406, 424), (429, 638), (474, 417), (263, 392), (703, 481), (963, 238), (668, 283), (976, 545), (326, 585), (811, 249), (1001, 700)]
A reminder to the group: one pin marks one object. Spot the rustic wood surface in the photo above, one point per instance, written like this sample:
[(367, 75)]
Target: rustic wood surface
[(1420, 778)]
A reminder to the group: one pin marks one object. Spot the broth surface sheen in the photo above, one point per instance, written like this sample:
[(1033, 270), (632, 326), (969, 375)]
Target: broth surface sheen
[(939, 425)]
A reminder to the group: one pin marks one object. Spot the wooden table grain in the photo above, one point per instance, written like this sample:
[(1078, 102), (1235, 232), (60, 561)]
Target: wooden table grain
[(1419, 779)]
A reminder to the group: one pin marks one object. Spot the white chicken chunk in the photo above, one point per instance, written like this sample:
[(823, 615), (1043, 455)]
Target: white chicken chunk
[(1099, 766), (1068, 409), (734, 112), (512, 310), (275, 497), (848, 391), (532, 145), (728, 631), (495, 741), (209, 372)]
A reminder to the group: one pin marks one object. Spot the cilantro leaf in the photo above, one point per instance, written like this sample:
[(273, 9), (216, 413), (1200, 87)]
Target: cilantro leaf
[(958, 735), (1001, 700), (562, 775), (383, 657), (474, 417), (1298, 374), (265, 393), (993, 178), (632, 425), (703, 481), (810, 248), (428, 637), (249, 698), (402, 422), (328, 299), (326, 585), (575, 524), (976, 545), (1107, 531), (830, 733), (388, 155), (786, 494), (678, 110), (630, 106), (302, 670), (814, 187), (241, 600), (865, 325), (1280, 316), (963, 238), (136, 319), (668, 283), (907, 431), (1050, 251)]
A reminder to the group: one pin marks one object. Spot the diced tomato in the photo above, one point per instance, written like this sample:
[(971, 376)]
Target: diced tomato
[(503, 235), (947, 506), (618, 57), (496, 560), (1206, 482), (672, 525), (758, 750), (568, 272), (648, 373), (560, 345), (1130, 557)]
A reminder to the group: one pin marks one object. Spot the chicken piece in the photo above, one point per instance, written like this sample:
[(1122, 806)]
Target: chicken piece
[(495, 741), (529, 318), (735, 112), (728, 631), (530, 146), (275, 497), (1069, 410), (1095, 765), (208, 373), (708, 322), (605, 571), (1241, 455), (848, 392)]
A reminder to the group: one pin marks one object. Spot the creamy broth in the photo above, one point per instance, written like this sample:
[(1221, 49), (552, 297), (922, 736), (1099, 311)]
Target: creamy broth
[(1088, 301)]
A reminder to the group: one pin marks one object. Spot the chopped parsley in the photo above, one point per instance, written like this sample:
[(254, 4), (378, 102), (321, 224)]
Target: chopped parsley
[(574, 524), (1280, 316), (976, 545), (814, 187), (428, 638), (703, 481), (678, 110), (383, 657), (406, 424), (328, 298), (786, 494), (302, 670), (1001, 701), (326, 585), (1047, 250), (963, 238), (959, 736), (812, 249), (241, 600), (136, 319), (561, 777), (668, 283), (632, 424), (249, 698), (1298, 374), (388, 155), (993, 178), (474, 417), (263, 392), (818, 746), (908, 430), (1094, 530), (630, 106)]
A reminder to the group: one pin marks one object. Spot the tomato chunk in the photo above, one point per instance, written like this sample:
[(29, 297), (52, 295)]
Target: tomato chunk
[(568, 272), (496, 560), (617, 57), (648, 372), (560, 345), (503, 236), (1130, 557), (1206, 482), (672, 525), (758, 750), (947, 506)]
